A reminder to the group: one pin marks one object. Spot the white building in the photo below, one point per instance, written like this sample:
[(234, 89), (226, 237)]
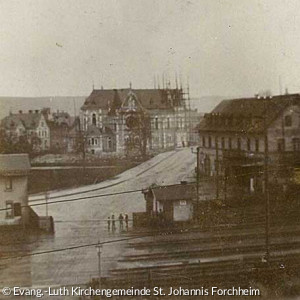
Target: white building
[(14, 170)]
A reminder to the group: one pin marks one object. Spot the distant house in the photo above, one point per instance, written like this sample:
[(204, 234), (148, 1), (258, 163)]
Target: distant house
[(14, 170), (234, 135), (173, 203), (32, 126)]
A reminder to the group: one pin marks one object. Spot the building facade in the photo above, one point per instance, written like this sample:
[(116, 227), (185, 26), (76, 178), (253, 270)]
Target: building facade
[(31, 126), (239, 134), (14, 170), (132, 120), (173, 203)]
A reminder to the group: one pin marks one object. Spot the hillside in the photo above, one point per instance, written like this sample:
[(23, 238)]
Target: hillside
[(14, 104)]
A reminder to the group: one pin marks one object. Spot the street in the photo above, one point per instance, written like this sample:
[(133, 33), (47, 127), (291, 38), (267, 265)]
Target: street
[(84, 222)]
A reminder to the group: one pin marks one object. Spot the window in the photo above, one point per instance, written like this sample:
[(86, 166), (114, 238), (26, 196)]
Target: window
[(296, 144), (239, 144), (257, 145), (109, 142), (216, 142), (288, 121), (168, 123), (156, 122), (94, 120), (8, 183), (230, 143), (115, 126), (223, 143), (209, 142), (207, 165), (203, 141), (248, 144), (280, 145), (9, 209), (17, 210)]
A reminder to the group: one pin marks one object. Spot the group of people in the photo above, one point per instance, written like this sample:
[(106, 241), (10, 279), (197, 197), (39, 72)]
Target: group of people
[(111, 222)]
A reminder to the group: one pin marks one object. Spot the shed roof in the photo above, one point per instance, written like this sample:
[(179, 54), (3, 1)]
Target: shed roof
[(175, 192), (14, 164)]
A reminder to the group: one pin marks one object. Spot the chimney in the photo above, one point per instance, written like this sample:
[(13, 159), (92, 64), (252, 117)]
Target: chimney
[(183, 182), (286, 91), (30, 111), (20, 111), (36, 111)]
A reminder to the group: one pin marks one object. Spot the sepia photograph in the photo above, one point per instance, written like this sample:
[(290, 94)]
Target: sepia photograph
[(150, 149)]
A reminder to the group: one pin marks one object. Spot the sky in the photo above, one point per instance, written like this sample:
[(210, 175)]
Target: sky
[(227, 48)]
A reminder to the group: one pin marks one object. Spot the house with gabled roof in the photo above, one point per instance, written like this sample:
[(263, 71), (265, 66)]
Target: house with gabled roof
[(14, 171), (172, 203), (153, 119), (234, 135), (32, 126)]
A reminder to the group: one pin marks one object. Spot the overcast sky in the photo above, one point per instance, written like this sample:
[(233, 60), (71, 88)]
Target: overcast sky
[(227, 48)]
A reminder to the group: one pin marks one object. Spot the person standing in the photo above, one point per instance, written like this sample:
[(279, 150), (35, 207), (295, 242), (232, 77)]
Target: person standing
[(113, 222), (126, 221), (121, 218), (108, 223)]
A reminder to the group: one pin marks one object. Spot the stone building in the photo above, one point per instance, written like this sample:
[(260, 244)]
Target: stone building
[(135, 120)]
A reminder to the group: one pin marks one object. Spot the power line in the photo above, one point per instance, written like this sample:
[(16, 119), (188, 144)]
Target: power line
[(113, 194), (78, 247), (78, 199)]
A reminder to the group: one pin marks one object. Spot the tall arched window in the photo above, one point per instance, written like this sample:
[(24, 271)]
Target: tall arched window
[(94, 119), (109, 143), (156, 122)]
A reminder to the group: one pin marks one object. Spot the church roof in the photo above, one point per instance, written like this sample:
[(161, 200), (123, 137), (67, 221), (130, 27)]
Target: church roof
[(149, 98)]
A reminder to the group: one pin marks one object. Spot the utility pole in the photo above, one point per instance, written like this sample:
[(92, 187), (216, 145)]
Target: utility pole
[(217, 168), (99, 262), (197, 182), (46, 199), (198, 179), (266, 183)]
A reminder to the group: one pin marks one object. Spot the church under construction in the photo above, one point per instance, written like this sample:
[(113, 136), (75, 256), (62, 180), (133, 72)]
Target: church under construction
[(124, 121)]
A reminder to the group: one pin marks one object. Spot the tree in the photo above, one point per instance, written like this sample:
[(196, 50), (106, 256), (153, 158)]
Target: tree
[(139, 130), (12, 144)]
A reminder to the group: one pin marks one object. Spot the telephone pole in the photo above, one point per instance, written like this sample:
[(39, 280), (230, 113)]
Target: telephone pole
[(217, 168), (196, 214), (266, 184), (99, 262)]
